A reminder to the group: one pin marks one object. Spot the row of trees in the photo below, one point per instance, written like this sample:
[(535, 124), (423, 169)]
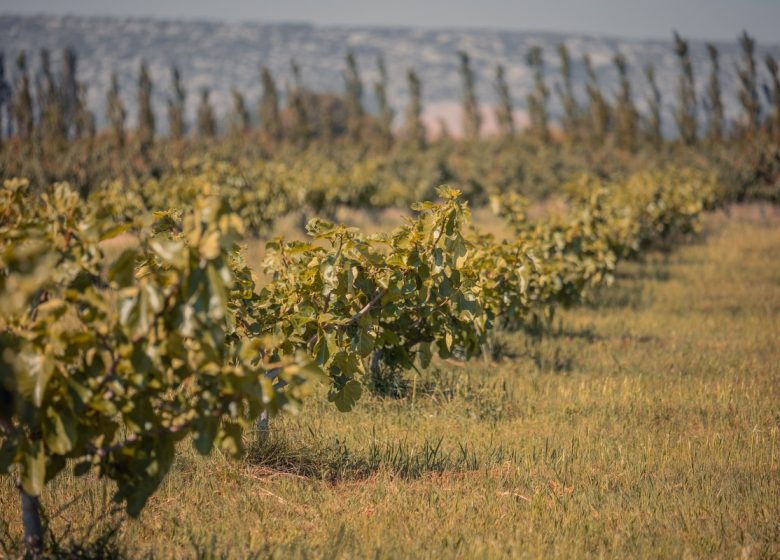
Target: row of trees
[(108, 363), (61, 106), (599, 118), (58, 111)]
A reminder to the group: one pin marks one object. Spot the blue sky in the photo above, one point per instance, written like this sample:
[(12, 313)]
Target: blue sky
[(702, 19)]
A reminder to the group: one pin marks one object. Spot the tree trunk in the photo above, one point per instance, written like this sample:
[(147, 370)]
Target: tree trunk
[(262, 428), (31, 520), (263, 420), (375, 367)]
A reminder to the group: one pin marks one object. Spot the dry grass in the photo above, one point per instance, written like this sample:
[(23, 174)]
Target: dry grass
[(645, 425)]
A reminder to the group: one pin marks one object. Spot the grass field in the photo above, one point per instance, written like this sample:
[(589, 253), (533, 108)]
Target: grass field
[(647, 424)]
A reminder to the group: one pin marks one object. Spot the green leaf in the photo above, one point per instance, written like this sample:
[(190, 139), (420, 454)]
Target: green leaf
[(154, 298), (61, 431), (209, 245), (206, 431), (445, 287), (54, 308), (113, 232), (218, 301), (170, 251), (424, 354), (34, 469), (33, 374), (82, 468), (459, 252), (366, 342), (147, 473), (7, 455), (321, 352), (346, 397)]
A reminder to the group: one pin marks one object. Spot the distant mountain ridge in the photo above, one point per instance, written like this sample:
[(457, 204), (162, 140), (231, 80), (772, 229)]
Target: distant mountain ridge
[(224, 55)]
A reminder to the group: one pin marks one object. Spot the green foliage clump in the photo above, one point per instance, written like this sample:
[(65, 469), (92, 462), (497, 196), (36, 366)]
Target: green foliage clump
[(108, 364)]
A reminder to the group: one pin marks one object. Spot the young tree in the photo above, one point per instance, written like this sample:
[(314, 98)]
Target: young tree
[(599, 109), (50, 106), (354, 98), (504, 113), (654, 122), (472, 120), (22, 102), (69, 89), (176, 106), (145, 111), (626, 115), (115, 112), (240, 121), (207, 123), (773, 95), (571, 111), (113, 369), (748, 81), (268, 111), (84, 120), (714, 99), (300, 130), (5, 97), (537, 99), (85, 129), (414, 127), (685, 116), (385, 111), (328, 116)]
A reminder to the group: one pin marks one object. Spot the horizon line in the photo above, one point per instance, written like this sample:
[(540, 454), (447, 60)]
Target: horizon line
[(378, 26)]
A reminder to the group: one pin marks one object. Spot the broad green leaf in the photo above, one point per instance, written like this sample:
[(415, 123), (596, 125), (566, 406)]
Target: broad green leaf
[(347, 396), (61, 431), (170, 251), (366, 342), (7, 455), (218, 300), (33, 372), (34, 469), (209, 245), (424, 354), (205, 431), (123, 270), (113, 232), (321, 351)]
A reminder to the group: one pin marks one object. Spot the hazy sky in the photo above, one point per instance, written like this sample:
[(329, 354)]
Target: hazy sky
[(703, 19)]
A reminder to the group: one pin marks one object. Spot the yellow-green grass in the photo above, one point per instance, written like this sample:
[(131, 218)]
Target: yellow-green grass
[(645, 424)]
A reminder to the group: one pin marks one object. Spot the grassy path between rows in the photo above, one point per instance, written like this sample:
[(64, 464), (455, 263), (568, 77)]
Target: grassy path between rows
[(646, 425)]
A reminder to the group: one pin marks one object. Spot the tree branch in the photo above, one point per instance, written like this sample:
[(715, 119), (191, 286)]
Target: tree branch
[(367, 307)]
